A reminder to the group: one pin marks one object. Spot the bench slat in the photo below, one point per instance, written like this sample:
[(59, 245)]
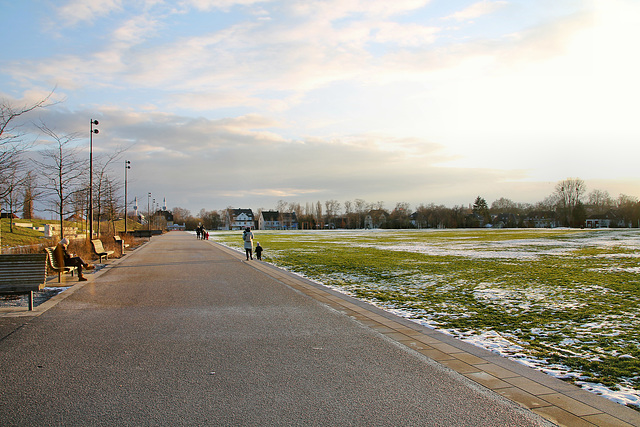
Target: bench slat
[(21, 273)]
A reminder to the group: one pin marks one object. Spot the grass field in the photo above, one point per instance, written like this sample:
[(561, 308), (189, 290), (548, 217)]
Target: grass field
[(562, 301)]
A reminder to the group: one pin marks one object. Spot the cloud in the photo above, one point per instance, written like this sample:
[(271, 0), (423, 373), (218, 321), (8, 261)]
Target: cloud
[(76, 11), (237, 157), (135, 30), (207, 5), (477, 10), (332, 10), (405, 34)]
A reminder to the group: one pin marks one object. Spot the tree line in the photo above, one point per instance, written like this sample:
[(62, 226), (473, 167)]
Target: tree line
[(52, 172), (568, 206)]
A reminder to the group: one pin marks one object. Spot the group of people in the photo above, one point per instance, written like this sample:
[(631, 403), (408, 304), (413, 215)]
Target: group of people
[(73, 260), (201, 233), (247, 236)]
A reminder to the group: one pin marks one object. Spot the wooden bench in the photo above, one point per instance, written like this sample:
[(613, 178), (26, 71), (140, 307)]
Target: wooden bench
[(56, 262), (120, 243), (99, 250), (23, 274)]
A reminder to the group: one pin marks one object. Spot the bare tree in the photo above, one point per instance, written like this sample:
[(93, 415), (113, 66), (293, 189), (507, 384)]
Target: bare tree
[(13, 145), (318, 214), (361, 208), (11, 193), (599, 201), (62, 172), (629, 208), (101, 165), (332, 208), (400, 216), (569, 193), (30, 192), (348, 212), (503, 205), (12, 138), (110, 202)]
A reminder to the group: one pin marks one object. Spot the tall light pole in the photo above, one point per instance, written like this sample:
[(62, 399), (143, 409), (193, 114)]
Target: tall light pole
[(127, 166), (93, 122), (149, 214)]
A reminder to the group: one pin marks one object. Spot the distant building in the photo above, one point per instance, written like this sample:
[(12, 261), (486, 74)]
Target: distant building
[(274, 220), (168, 216), (375, 218), (237, 219), (173, 226), (610, 219), (541, 219)]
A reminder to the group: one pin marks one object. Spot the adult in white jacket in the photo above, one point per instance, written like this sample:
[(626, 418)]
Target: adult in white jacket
[(247, 236)]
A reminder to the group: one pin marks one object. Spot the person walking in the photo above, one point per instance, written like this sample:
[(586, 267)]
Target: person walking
[(247, 236), (258, 251)]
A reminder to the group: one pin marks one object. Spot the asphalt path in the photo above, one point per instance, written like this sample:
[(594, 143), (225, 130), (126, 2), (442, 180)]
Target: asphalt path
[(182, 333)]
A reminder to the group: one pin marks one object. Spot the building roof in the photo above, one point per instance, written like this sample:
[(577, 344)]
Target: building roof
[(236, 212), (270, 215)]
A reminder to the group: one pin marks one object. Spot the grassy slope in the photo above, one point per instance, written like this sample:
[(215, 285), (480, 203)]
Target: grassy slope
[(23, 236)]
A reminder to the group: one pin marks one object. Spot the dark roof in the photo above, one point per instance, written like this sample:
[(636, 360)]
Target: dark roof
[(275, 216), (237, 212), (270, 215)]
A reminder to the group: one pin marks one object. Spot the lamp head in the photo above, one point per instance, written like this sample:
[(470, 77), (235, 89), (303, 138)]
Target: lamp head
[(96, 131), (95, 122)]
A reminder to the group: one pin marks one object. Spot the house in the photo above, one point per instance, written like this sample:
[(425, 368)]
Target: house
[(609, 219), (375, 218), (505, 220), (274, 220), (541, 219), (289, 221), (269, 220), (238, 219)]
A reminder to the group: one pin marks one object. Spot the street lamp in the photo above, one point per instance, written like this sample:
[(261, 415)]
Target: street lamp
[(127, 166), (93, 122), (149, 214)]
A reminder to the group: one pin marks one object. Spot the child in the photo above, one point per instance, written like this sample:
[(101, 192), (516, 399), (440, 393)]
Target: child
[(258, 251)]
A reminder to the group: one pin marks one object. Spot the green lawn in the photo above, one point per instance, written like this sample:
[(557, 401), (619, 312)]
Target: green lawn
[(22, 236)]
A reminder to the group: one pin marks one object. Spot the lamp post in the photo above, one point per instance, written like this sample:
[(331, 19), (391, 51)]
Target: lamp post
[(149, 214), (127, 166), (93, 122)]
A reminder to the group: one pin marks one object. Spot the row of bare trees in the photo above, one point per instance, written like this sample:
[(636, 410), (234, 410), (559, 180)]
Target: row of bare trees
[(568, 205), (52, 171)]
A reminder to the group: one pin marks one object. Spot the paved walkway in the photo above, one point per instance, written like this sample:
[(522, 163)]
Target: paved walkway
[(185, 332)]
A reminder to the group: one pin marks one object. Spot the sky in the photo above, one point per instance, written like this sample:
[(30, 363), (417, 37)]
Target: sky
[(244, 103)]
